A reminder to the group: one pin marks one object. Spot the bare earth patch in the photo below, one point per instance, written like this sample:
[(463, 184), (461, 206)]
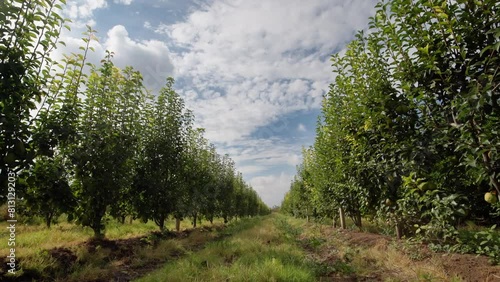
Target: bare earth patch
[(376, 257)]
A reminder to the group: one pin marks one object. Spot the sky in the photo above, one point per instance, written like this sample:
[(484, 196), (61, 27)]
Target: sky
[(253, 72)]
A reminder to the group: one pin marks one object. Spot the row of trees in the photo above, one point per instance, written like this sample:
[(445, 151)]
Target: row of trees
[(409, 129), (90, 141)]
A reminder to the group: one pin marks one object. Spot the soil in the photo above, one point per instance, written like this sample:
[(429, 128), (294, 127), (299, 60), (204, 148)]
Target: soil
[(471, 268)]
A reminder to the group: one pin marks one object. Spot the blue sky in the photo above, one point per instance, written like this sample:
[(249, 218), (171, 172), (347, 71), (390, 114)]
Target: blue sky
[(253, 72)]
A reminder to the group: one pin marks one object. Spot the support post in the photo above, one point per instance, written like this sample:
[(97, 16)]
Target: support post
[(342, 218)]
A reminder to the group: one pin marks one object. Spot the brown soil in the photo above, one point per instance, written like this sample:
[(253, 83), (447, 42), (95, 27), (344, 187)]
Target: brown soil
[(64, 257), (470, 267)]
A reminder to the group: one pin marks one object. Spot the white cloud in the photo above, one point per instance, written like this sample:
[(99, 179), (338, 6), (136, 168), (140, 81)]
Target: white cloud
[(269, 58), (268, 38), (124, 2), (81, 11), (257, 155), (271, 188), (301, 128), (151, 57), (246, 106), (250, 169)]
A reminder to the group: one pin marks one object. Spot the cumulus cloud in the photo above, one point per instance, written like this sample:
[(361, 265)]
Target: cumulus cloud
[(271, 188), (151, 57), (250, 169), (265, 153), (246, 106), (81, 11), (268, 58), (268, 38)]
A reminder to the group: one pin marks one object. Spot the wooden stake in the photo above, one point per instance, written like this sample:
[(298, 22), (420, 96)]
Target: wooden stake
[(342, 218)]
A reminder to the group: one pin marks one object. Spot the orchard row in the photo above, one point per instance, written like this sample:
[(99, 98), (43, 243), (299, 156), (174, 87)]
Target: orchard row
[(90, 141), (409, 132)]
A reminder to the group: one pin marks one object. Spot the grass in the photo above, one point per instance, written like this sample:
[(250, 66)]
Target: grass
[(33, 238), (35, 245), (388, 261), (271, 248), (259, 253)]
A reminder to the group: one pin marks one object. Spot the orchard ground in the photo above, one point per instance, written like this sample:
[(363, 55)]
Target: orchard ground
[(270, 248)]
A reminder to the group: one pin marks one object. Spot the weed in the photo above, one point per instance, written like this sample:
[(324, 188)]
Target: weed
[(313, 243)]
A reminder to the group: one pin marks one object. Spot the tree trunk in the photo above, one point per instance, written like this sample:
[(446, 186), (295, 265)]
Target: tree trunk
[(342, 218), (195, 215), (177, 224), (399, 231), (48, 220), (97, 233), (161, 223), (122, 219), (96, 221), (131, 220), (357, 220)]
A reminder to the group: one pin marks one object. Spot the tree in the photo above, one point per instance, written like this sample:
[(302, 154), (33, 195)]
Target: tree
[(29, 32), (226, 195), (131, 103), (102, 156), (49, 194), (408, 128), (159, 175)]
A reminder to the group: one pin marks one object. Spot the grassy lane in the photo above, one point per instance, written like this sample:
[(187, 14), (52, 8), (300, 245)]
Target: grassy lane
[(267, 251), (281, 248), (270, 248)]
